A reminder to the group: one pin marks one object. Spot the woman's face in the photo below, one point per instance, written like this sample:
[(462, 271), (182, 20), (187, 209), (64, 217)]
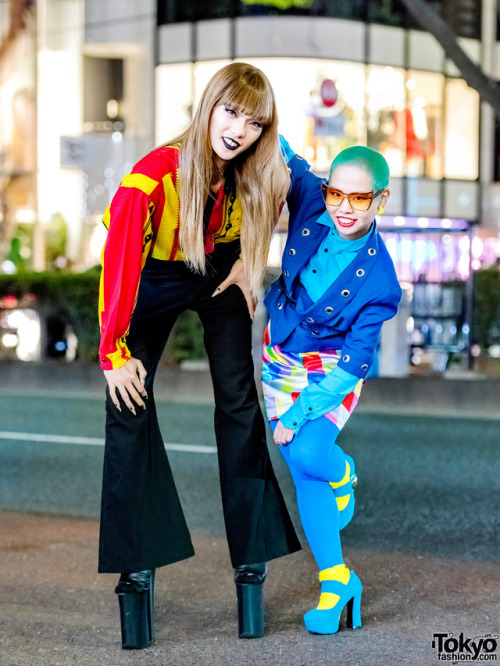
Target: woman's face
[(352, 224), (231, 133)]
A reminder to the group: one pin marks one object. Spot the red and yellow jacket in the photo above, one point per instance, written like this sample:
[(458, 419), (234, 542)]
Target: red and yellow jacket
[(142, 221)]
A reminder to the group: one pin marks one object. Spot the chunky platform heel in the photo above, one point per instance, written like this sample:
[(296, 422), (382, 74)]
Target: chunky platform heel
[(340, 588), (249, 579), (135, 592), (344, 493)]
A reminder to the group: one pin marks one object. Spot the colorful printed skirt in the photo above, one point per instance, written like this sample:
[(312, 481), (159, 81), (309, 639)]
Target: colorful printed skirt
[(286, 374)]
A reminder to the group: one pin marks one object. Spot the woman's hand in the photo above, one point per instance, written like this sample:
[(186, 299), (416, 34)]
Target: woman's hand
[(239, 277), (128, 380), (283, 436)]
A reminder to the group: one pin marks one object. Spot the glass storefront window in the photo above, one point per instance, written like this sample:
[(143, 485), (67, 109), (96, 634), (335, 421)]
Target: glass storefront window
[(388, 12), (462, 131), (425, 127), (385, 109), (174, 102), (323, 111), (316, 130)]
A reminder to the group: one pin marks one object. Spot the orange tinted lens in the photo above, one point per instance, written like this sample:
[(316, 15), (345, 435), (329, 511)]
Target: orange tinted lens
[(361, 201), (333, 197)]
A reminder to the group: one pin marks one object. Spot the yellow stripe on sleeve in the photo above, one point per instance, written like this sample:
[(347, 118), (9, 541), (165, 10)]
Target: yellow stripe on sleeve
[(140, 181), (165, 237)]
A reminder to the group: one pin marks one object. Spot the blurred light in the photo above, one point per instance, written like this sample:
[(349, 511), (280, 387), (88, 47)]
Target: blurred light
[(9, 301), (112, 108), (410, 325), (411, 84), (446, 223), (27, 323), (9, 340), (117, 137), (465, 329), (399, 221), (9, 267), (420, 102), (463, 265), (423, 222), (446, 238), (477, 247), (475, 264), (464, 244), (475, 350), (61, 262), (494, 351), (25, 216)]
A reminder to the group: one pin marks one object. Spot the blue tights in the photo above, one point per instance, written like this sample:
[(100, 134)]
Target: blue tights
[(314, 460)]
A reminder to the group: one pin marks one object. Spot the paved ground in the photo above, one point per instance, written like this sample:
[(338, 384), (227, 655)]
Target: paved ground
[(57, 611), (425, 541)]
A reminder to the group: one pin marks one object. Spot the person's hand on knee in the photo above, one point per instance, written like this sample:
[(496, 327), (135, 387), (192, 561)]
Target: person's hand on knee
[(127, 381)]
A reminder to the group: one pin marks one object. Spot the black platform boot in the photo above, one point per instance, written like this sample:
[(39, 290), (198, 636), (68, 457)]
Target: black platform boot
[(136, 600), (249, 579)]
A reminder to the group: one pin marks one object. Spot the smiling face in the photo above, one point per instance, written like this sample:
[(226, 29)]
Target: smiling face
[(352, 224), (231, 133)]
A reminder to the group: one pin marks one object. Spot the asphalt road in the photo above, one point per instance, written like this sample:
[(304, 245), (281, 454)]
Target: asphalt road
[(425, 542), (427, 485)]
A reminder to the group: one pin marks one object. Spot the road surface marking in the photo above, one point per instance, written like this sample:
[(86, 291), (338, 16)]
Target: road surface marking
[(95, 441)]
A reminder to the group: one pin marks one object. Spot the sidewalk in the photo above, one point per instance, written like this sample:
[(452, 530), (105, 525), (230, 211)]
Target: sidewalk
[(57, 611), (463, 395)]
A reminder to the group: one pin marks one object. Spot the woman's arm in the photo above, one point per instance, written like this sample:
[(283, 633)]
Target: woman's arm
[(316, 400), (304, 185), (127, 218)]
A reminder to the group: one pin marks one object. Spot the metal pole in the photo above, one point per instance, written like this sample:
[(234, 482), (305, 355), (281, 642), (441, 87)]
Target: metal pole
[(469, 304), (40, 44)]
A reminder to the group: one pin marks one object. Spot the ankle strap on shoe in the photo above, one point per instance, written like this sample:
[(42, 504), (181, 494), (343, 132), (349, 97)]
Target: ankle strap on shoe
[(339, 572)]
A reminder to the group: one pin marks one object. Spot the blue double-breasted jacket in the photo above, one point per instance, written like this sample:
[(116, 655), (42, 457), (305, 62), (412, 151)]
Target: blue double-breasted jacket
[(350, 314)]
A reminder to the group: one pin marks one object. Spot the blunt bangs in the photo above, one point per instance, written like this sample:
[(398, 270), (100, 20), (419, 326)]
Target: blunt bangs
[(253, 98)]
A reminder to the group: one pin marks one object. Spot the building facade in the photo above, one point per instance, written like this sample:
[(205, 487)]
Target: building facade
[(111, 80)]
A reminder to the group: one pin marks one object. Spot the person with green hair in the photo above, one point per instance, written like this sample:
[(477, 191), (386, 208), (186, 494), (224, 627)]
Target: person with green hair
[(338, 285)]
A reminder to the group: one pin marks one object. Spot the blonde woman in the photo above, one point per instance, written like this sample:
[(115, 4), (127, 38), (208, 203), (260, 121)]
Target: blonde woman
[(189, 228)]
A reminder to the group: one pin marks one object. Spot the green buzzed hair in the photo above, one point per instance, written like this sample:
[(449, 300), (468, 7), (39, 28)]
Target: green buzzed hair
[(367, 159)]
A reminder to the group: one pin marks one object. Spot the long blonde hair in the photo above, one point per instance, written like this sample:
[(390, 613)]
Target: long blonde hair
[(261, 174)]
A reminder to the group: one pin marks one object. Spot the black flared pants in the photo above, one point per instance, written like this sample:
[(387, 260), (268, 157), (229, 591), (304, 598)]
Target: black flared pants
[(142, 522)]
